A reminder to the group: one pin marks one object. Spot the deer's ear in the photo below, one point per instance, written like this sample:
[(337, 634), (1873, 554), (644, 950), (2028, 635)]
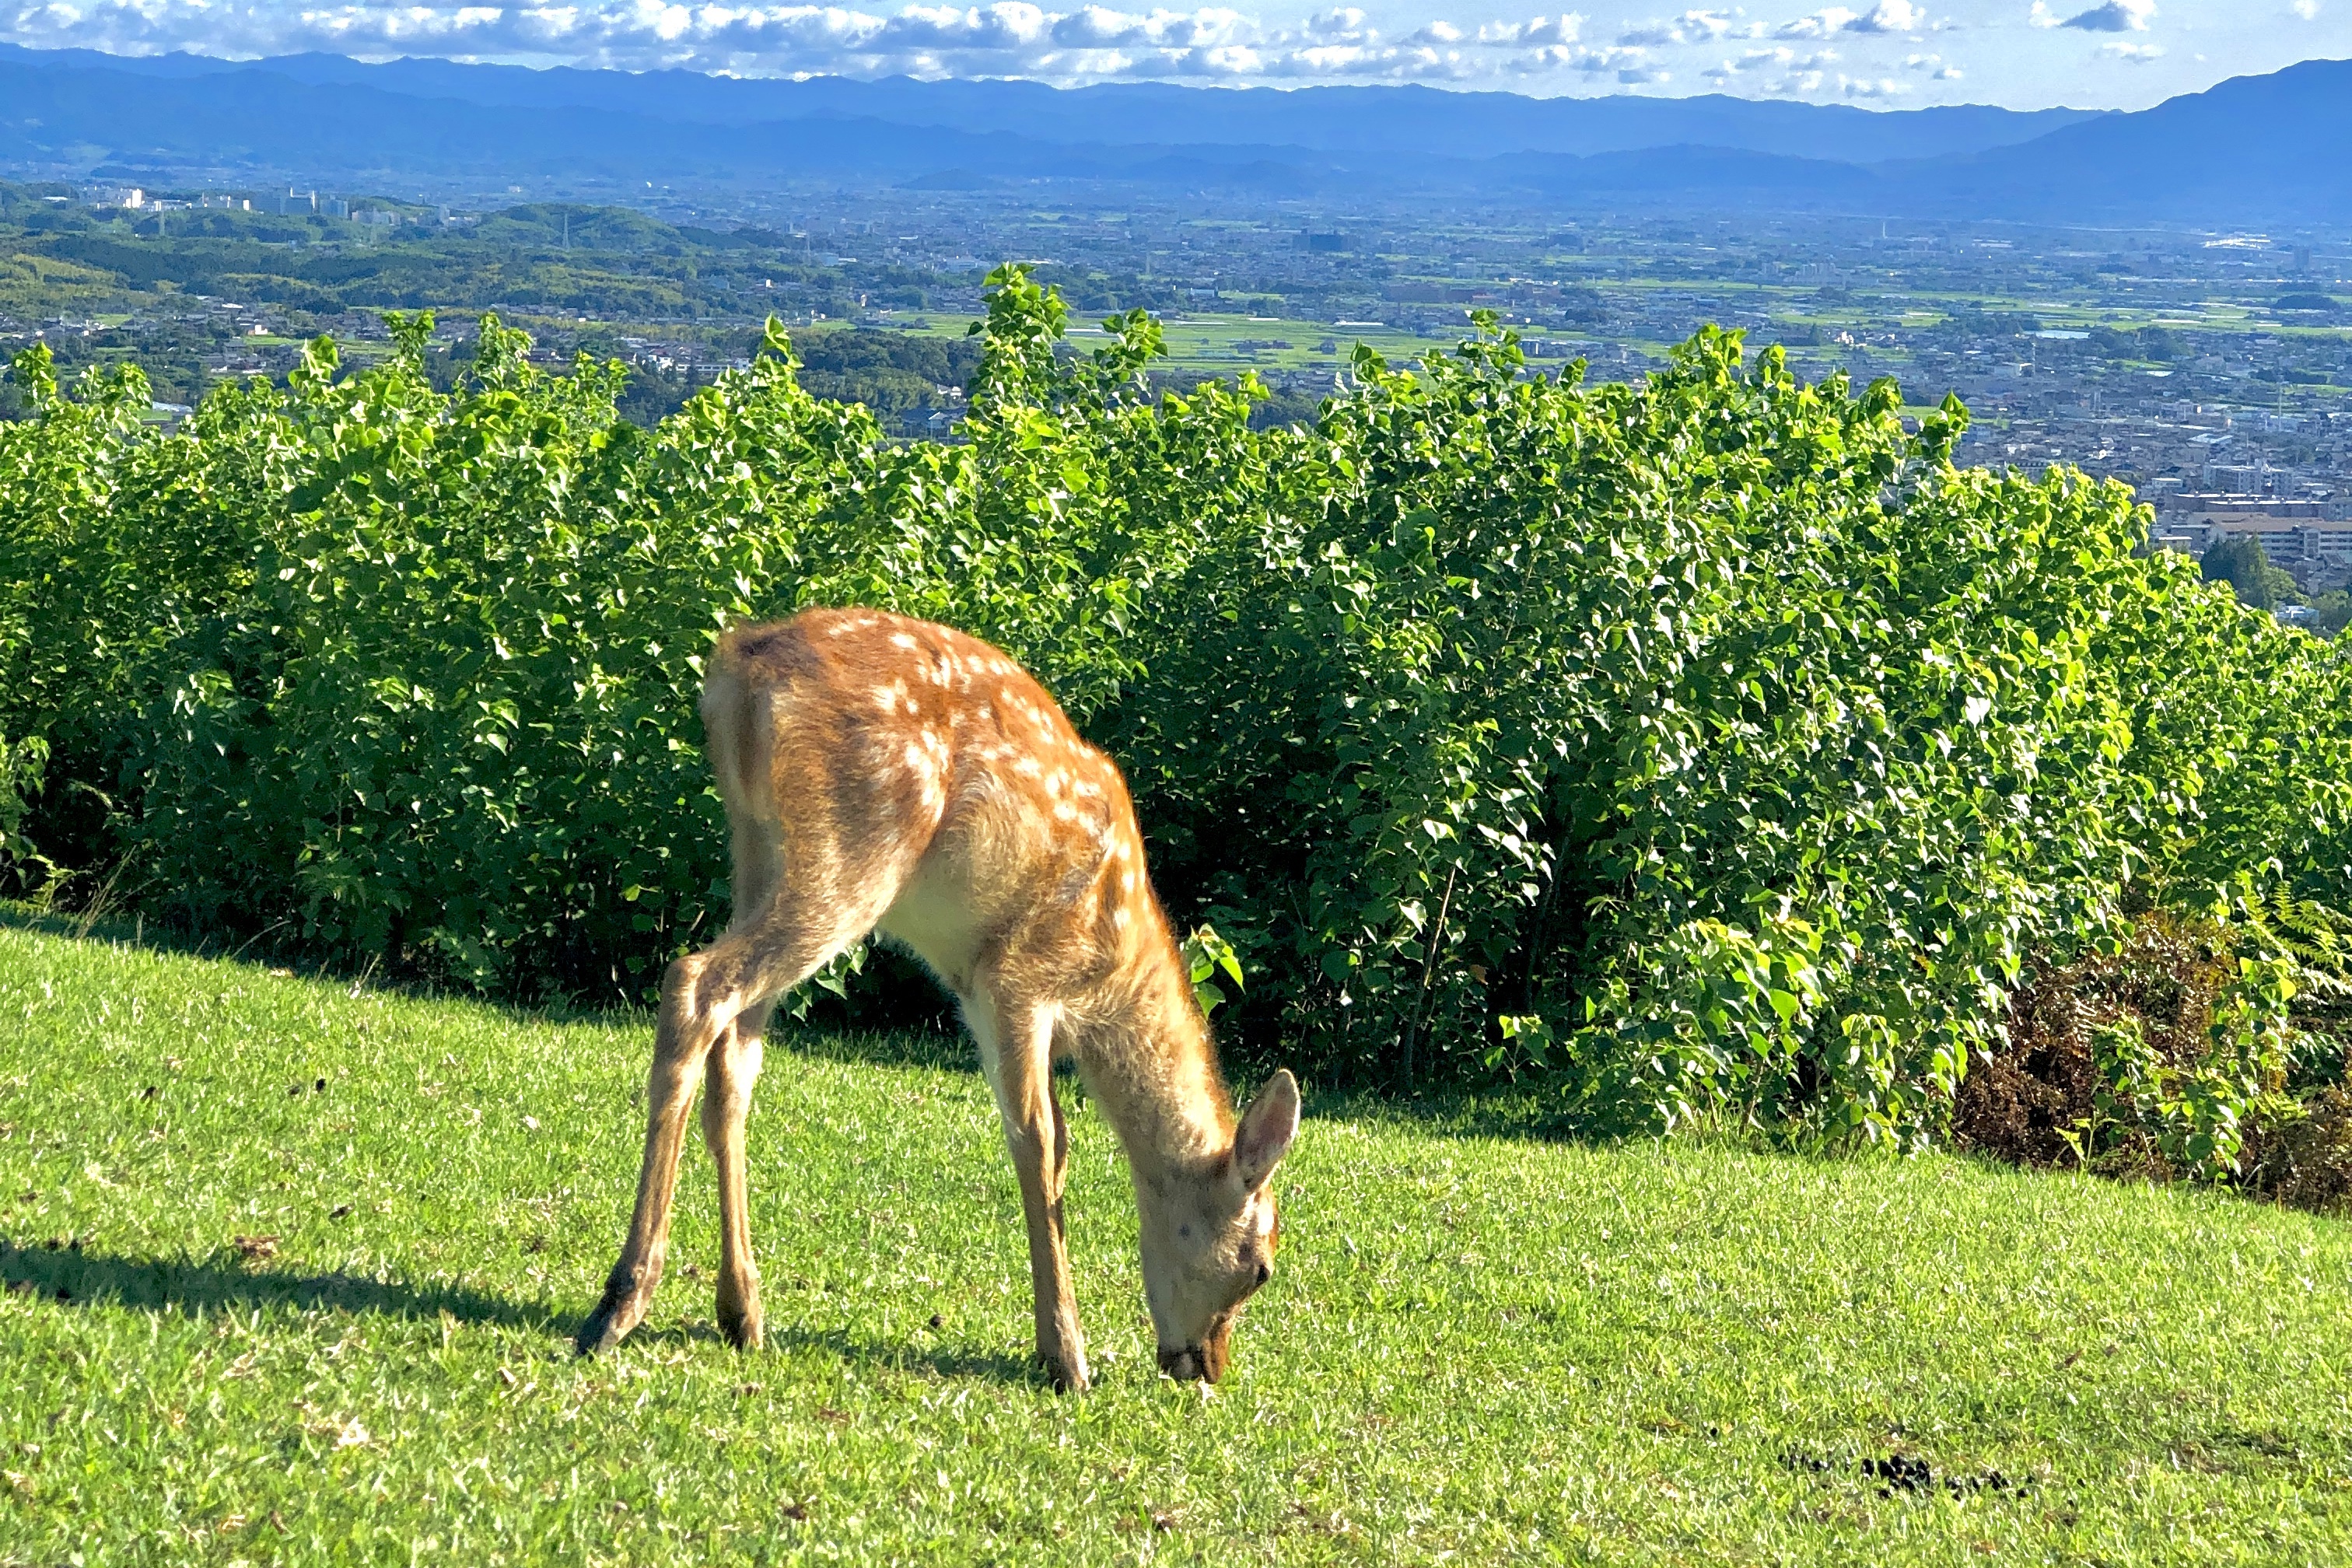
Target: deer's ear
[(1268, 1127)]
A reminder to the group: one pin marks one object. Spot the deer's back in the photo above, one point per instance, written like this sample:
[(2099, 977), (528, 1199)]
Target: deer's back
[(889, 742)]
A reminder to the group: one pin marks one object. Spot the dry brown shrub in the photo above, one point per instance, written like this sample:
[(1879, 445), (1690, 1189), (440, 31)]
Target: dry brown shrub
[(2020, 1101), (2301, 1155)]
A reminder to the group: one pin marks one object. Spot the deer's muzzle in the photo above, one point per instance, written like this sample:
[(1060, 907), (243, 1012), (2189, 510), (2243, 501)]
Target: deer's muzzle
[(1205, 1362)]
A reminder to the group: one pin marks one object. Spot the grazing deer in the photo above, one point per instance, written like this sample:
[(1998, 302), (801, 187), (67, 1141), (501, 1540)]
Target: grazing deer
[(885, 774)]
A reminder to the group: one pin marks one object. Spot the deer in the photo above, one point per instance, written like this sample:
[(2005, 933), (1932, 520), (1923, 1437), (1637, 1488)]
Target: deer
[(884, 775)]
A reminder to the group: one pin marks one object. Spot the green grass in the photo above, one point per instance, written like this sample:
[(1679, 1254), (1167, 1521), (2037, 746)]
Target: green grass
[(1488, 1348)]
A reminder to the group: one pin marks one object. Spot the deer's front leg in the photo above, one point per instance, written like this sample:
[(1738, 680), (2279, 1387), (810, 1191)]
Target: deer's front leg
[(1039, 1140)]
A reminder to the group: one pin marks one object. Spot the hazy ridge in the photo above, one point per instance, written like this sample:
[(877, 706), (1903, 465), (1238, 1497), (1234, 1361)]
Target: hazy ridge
[(2271, 149)]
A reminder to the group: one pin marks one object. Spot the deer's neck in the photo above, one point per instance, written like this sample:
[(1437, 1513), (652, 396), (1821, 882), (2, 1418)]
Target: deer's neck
[(1147, 1060)]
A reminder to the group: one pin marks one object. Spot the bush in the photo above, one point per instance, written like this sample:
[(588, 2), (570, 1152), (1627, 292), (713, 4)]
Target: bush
[(1717, 733)]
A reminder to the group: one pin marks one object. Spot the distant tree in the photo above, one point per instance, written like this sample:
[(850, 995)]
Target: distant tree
[(2331, 613), (2242, 563), (2146, 344)]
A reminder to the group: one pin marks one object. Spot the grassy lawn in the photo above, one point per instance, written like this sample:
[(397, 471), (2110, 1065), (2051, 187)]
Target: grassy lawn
[(1482, 1348)]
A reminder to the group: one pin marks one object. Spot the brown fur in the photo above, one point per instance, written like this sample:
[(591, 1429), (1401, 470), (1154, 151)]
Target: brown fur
[(885, 774)]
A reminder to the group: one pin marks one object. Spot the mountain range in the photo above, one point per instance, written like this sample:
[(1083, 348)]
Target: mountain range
[(2255, 151)]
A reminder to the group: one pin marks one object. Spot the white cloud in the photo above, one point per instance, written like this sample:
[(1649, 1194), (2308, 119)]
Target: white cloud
[(1886, 17), (1820, 25), (2138, 53), (2114, 16), (1890, 17), (1779, 58), (2307, 9), (1690, 28), (1344, 25), (1883, 87), (1096, 27), (1561, 29)]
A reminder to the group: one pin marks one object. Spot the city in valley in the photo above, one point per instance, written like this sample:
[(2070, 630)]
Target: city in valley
[(2210, 370)]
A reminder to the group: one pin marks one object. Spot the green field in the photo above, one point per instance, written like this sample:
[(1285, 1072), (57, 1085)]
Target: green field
[(1477, 1348)]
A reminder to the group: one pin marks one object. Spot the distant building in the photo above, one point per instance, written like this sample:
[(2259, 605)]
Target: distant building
[(2308, 537), (1427, 294), (114, 197)]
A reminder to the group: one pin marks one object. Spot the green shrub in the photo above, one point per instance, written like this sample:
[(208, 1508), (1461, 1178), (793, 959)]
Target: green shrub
[(1717, 733)]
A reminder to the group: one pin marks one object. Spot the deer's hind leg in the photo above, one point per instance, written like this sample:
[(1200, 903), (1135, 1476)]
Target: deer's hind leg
[(714, 1009), (734, 1069), (732, 1072)]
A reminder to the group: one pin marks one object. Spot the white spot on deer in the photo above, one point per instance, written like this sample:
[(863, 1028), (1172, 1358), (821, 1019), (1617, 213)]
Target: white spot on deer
[(1027, 767), (901, 640)]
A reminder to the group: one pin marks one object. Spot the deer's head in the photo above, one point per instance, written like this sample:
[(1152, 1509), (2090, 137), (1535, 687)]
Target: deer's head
[(1209, 1235)]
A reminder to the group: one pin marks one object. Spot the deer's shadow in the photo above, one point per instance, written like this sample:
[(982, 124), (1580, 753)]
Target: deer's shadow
[(202, 1287), (195, 1287), (938, 1360)]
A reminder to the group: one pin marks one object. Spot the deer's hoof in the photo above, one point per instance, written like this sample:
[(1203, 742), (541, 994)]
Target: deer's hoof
[(607, 1326), (1069, 1378), (742, 1329)]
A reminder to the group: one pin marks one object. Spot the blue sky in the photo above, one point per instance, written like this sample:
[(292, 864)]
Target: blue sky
[(2024, 54)]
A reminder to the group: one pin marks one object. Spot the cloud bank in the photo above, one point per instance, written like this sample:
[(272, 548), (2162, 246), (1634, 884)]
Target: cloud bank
[(1002, 38), (1006, 37)]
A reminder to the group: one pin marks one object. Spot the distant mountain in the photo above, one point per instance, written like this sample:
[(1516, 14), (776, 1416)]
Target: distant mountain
[(2259, 150), (1409, 119), (2253, 150)]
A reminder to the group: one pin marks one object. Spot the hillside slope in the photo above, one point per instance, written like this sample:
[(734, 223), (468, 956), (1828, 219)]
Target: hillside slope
[(291, 1263)]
